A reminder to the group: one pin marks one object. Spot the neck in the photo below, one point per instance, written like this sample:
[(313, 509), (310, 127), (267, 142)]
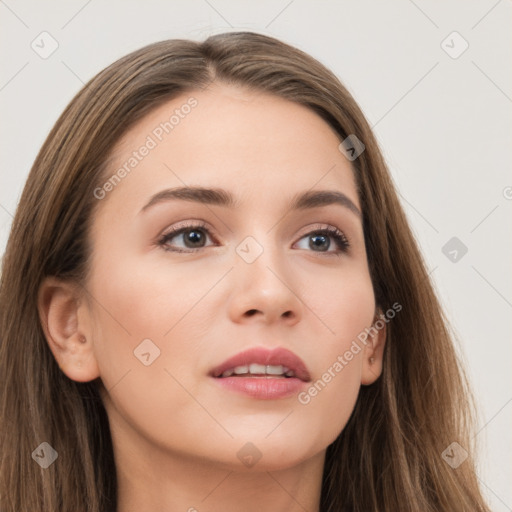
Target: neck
[(152, 479)]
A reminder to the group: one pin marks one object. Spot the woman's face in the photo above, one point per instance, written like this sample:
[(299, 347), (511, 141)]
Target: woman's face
[(165, 311)]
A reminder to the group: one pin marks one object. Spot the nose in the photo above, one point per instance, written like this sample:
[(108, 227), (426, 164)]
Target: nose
[(264, 291)]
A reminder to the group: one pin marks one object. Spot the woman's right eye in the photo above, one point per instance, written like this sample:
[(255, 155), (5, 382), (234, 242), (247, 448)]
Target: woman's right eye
[(192, 237)]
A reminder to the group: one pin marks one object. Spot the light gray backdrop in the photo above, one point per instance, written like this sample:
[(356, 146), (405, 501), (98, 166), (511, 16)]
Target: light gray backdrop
[(434, 80)]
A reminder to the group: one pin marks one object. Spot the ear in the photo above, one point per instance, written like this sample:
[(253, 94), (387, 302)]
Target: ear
[(63, 317), (373, 354)]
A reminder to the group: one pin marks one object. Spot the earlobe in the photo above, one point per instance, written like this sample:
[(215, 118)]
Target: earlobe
[(69, 341), (373, 355)]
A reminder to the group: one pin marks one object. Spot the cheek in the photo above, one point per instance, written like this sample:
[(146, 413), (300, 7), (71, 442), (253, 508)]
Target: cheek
[(345, 309), (147, 339), (343, 303), (151, 307)]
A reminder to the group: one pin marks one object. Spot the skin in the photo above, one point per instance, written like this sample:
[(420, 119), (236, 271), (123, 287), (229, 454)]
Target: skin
[(176, 432)]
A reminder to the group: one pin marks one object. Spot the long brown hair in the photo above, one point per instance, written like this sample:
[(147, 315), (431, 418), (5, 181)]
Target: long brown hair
[(389, 455)]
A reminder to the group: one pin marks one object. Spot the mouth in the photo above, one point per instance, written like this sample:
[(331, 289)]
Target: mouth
[(259, 370), (279, 363), (262, 373)]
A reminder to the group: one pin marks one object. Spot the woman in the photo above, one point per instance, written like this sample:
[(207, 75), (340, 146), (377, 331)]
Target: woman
[(211, 300)]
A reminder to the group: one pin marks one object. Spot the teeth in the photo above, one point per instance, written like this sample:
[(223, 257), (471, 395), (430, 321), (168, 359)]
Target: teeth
[(274, 370), (259, 369)]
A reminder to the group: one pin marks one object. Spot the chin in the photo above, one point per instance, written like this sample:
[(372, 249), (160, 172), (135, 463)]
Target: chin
[(271, 454)]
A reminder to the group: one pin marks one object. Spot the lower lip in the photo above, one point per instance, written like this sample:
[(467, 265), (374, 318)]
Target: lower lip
[(263, 388)]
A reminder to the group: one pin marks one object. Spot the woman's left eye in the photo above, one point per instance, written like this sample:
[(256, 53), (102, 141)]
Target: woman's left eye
[(320, 239), (194, 237)]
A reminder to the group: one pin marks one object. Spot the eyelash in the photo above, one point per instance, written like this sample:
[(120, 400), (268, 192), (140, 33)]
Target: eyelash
[(340, 238)]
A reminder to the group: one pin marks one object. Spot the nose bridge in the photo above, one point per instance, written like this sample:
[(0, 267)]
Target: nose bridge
[(259, 252)]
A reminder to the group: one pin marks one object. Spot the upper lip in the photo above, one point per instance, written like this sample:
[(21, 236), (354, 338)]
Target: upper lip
[(260, 355)]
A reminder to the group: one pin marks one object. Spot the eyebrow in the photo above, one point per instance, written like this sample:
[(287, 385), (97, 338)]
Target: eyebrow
[(221, 197)]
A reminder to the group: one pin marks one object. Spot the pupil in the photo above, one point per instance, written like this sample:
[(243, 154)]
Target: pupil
[(194, 237), (321, 239)]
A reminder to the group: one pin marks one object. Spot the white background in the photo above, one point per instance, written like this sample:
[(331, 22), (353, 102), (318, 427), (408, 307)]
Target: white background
[(444, 125)]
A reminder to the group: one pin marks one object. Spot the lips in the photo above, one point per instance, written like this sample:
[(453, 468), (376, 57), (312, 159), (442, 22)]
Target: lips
[(256, 358)]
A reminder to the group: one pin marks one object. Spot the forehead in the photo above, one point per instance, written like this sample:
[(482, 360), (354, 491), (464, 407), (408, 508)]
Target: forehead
[(255, 144)]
